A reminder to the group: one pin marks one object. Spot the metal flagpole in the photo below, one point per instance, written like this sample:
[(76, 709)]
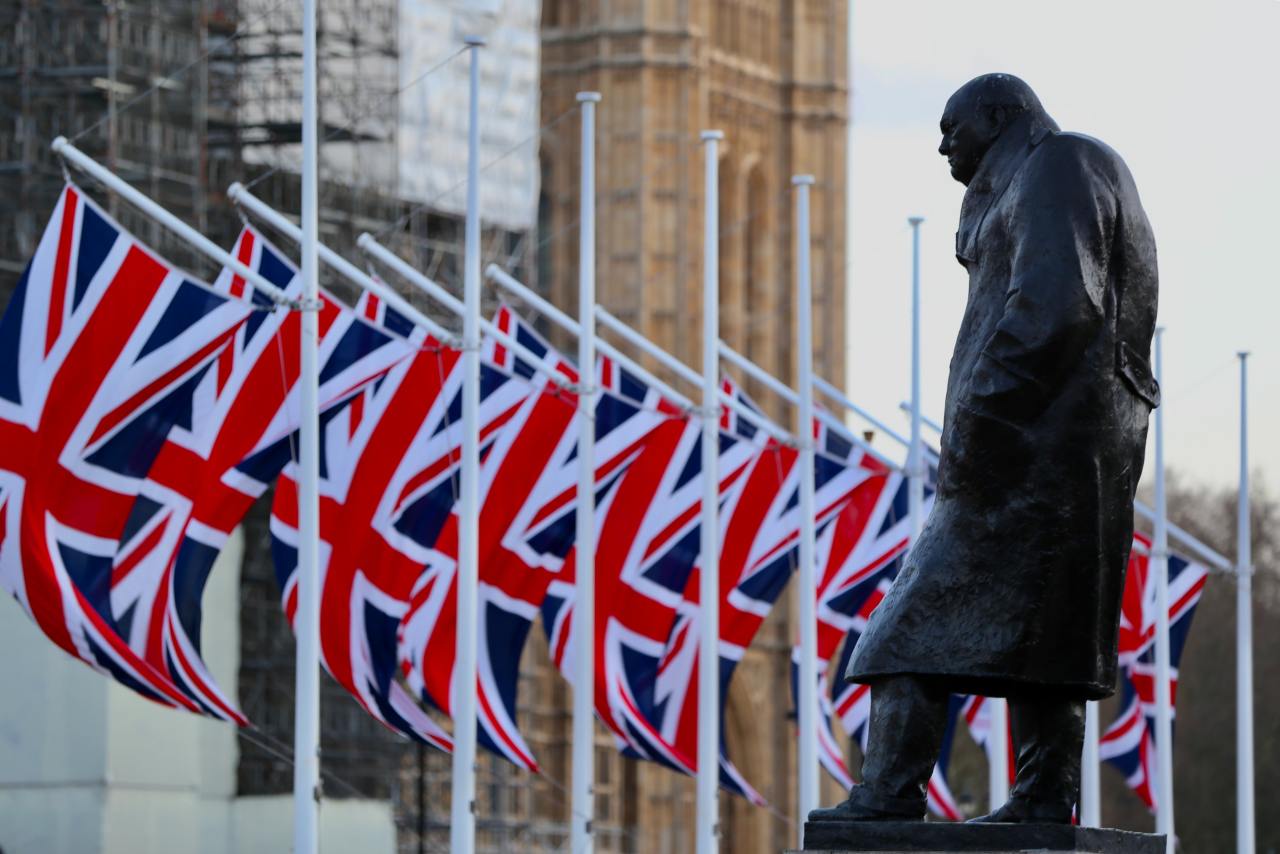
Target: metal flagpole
[(727, 400), (998, 752), (841, 398), (808, 729), (915, 455), (1244, 635), (306, 738), (709, 576), (1090, 782), (1159, 564), (680, 369), (584, 617), (462, 830)]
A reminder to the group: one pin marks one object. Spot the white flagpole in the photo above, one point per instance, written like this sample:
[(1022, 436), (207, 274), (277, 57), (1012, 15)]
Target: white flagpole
[(1244, 635), (808, 592), (708, 788), (915, 454), (462, 830), (1090, 782), (998, 752), (584, 618), (1159, 564), (306, 734)]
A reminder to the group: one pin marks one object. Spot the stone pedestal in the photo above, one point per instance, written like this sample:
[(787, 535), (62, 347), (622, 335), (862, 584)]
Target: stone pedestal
[(945, 837)]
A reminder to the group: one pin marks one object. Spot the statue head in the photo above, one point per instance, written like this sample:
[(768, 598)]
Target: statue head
[(978, 113)]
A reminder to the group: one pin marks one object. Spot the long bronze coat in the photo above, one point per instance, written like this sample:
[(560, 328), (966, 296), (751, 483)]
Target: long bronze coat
[(1016, 580)]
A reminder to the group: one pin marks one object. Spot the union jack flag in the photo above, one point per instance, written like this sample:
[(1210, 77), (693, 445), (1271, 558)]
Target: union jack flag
[(647, 547), (859, 556), (543, 533), (533, 432), (527, 526), (192, 499), (760, 531), (627, 414), (102, 348), (389, 462), (534, 493), (1129, 743)]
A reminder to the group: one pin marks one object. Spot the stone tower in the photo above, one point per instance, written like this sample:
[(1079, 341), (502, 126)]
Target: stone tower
[(773, 76)]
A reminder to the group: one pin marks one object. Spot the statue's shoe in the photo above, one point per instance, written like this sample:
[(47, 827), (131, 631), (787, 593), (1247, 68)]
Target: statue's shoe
[(855, 808), (1025, 812)]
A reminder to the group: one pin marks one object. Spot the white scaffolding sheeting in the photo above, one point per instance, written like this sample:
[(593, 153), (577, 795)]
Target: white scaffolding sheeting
[(433, 110)]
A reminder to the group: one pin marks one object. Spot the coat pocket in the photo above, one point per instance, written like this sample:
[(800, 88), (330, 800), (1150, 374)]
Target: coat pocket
[(987, 459), (1136, 373)]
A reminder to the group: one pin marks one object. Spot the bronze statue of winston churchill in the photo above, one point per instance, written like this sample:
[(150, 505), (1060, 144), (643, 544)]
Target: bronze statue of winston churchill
[(1013, 588)]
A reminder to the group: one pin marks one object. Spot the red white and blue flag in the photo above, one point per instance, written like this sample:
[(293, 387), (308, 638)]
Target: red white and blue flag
[(527, 526), (1129, 743), (859, 556), (647, 548), (389, 461), (542, 536), (759, 543), (529, 549), (520, 439), (102, 349), (193, 496)]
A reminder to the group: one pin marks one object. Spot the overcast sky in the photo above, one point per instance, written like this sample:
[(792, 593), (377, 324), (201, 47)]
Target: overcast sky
[(1187, 93)]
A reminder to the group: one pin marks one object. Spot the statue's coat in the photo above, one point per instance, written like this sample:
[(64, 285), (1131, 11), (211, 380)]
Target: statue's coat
[(1016, 580)]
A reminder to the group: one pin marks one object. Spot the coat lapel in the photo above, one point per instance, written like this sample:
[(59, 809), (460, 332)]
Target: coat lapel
[(995, 174)]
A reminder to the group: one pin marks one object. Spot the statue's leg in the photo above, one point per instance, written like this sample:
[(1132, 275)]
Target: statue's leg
[(1048, 735), (908, 718)]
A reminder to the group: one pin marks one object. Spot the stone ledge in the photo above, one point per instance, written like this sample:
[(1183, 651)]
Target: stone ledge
[(892, 837)]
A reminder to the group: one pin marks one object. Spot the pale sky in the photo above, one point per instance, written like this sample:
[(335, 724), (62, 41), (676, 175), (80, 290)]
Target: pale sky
[(1186, 93)]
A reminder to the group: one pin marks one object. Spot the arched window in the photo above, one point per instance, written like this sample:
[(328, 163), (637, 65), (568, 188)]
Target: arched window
[(766, 313), (731, 302), (757, 268), (542, 247)]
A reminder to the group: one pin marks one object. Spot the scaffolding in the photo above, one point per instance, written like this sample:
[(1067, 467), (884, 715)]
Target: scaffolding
[(358, 82), (359, 99), (114, 77), (361, 86), (181, 98)]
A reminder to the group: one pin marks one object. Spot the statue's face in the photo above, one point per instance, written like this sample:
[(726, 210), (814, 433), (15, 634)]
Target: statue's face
[(967, 133)]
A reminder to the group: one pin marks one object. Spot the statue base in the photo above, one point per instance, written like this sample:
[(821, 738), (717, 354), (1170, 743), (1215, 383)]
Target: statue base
[(915, 837)]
